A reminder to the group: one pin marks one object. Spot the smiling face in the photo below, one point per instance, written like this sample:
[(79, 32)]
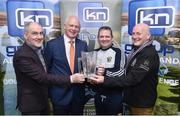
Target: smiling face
[(34, 35), (140, 34), (105, 38), (72, 27)]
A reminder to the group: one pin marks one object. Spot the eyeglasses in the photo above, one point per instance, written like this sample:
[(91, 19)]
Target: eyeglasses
[(36, 33)]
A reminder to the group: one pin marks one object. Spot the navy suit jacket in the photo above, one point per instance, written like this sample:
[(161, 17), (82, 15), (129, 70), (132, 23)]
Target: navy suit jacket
[(58, 64)]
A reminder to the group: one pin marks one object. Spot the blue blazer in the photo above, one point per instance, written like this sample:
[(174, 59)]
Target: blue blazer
[(58, 64)]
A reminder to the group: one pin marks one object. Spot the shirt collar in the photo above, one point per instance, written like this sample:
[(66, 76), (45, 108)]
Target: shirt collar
[(66, 39), (106, 48), (33, 47)]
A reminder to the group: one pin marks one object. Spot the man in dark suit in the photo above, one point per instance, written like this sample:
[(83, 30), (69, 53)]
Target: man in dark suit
[(32, 79), (66, 100)]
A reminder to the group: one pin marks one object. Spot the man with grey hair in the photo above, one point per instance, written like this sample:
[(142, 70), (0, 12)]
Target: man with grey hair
[(140, 77), (31, 76), (62, 56)]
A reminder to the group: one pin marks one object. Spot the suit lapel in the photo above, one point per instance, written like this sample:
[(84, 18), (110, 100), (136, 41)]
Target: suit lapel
[(34, 55), (77, 55)]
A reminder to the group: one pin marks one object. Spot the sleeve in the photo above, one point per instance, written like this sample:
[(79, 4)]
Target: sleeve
[(32, 70), (135, 75)]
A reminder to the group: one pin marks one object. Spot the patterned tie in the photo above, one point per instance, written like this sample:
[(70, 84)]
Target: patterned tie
[(72, 56), (40, 54)]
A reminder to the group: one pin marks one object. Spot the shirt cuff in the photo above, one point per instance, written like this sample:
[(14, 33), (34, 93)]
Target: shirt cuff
[(71, 80)]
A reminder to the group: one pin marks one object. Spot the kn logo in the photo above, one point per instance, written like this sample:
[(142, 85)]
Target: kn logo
[(31, 11), (156, 17), (43, 16), (92, 14), (154, 13)]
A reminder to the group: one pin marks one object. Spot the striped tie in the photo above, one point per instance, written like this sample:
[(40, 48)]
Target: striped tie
[(72, 56)]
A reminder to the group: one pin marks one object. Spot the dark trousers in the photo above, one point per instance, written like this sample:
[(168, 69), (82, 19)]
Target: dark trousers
[(42, 112), (108, 104), (70, 109)]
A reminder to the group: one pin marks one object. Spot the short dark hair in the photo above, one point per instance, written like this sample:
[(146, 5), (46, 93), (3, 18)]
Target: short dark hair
[(105, 28)]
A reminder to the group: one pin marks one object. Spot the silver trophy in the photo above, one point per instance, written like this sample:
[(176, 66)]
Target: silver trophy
[(88, 61)]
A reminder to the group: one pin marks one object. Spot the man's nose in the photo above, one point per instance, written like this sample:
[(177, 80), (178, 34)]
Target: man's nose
[(74, 27)]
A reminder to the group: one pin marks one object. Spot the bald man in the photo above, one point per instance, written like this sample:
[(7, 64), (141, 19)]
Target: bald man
[(140, 77)]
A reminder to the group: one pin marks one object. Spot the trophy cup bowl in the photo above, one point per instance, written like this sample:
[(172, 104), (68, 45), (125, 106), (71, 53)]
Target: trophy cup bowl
[(88, 60)]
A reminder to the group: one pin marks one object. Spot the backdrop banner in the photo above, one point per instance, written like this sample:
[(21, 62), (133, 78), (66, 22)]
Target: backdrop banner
[(163, 16)]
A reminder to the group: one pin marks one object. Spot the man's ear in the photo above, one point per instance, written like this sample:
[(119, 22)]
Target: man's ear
[(64, 26), (149, 36), (25, 35)]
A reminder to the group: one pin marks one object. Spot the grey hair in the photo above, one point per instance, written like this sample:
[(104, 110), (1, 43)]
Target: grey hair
[(26, 27)]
